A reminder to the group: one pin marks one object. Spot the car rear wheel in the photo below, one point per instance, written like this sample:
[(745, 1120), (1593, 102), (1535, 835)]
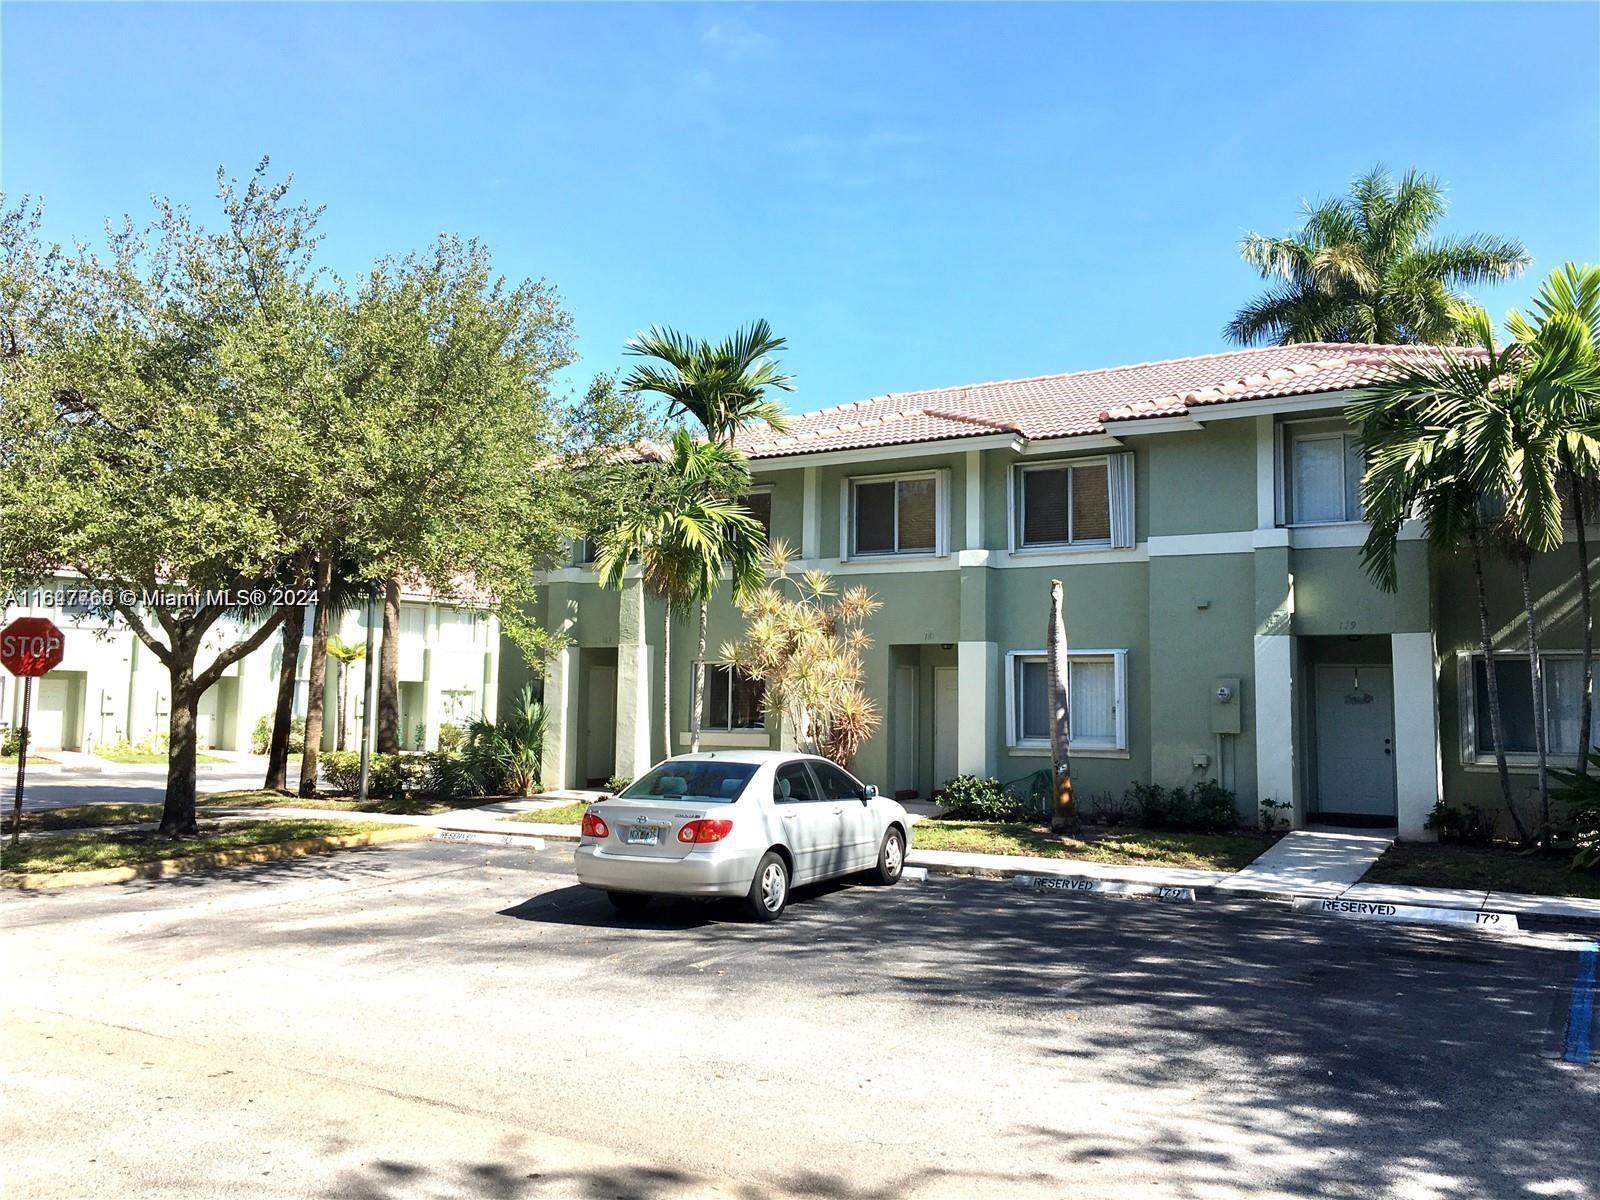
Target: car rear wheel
[(891, 858), (628, 902), (769, 890)]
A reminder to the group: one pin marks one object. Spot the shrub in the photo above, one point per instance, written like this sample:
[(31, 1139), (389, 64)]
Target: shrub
[(10, 741), (1581, 796), (1107, 808), (451, 738), (1208, 807), (496, 759), (1275, 815), (341, 772), (261, 735), (618, 783), (1469, 826), (970, 798)]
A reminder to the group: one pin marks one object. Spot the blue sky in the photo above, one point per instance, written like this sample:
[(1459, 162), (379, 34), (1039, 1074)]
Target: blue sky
[(915, 196)]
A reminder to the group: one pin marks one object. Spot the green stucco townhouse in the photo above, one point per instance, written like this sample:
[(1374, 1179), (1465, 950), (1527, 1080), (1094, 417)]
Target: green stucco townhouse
[(1204, 516)]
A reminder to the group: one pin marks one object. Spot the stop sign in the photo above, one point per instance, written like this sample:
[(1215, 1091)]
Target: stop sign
[(31, 646)]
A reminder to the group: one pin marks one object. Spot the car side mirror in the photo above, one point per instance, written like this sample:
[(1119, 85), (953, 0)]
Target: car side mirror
[(870, 792)]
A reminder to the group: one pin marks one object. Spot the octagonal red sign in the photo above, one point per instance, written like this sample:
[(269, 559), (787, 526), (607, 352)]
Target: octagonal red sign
[(31, 646)]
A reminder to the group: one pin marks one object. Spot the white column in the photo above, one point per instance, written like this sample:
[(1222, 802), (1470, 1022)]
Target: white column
[(1274, 721), (811, 518), (633, 710), (1266, 472), (978, 670), (1416, 732), (559, 760)]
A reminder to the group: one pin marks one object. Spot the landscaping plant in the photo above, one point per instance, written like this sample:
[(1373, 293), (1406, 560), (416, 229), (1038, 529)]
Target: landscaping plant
[(971, 798)]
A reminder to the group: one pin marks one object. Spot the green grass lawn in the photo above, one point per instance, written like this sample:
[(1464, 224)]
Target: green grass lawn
[(134, 755), (1124, 847), (410, 806), (1497, 868), (34, 759), (567, 814), (90, 816), (129, 847)]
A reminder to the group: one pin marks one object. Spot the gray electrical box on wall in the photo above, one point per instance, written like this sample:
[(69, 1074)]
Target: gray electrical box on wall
[(1225, 705)]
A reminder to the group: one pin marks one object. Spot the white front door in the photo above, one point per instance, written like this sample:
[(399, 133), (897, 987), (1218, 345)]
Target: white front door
[(600, 735), (1355, 740), (905, 730), (946, 723), (47, 724)]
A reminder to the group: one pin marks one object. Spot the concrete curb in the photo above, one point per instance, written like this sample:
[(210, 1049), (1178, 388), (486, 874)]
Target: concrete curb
[(271, 852)]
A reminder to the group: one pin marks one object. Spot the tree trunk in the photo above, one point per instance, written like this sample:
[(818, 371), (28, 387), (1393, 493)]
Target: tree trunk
[(294, 629), (318, 672), (344, 705), (1064, 815), (1536, 675), (177, 814), (666, 681), (1492, 682), (1586, 600), (697, 702), (388, 734)]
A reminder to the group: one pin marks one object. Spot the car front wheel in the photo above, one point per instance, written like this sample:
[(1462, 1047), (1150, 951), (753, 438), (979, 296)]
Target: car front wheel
[(769, 890), (891, 858)]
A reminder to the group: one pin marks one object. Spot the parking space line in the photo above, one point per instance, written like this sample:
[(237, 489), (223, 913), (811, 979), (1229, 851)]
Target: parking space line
[(1580, 1015)]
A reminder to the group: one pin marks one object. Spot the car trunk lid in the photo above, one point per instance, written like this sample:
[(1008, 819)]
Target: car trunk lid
[(648, 828)]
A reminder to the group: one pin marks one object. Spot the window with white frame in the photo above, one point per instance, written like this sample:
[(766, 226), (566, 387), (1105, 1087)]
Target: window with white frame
[(1323, 464), (1083, 502), (896, 515), (1563, 696), (1097, 685), (734, 700)]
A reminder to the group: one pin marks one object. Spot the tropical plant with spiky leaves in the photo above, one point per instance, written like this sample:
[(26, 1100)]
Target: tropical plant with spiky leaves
[(1365, 267), (684, 531), (805, 640), (1453, 436), (725, 387)]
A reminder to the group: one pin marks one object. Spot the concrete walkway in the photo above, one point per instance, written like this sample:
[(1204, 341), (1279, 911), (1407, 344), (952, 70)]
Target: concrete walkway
[(1310, 862)]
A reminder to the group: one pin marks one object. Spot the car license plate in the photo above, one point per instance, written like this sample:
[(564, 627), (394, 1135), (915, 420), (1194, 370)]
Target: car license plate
[(642, 837)]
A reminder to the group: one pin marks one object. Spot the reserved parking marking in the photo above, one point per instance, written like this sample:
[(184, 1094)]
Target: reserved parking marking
[(1369, 910), (1104, 887), (490, 839)]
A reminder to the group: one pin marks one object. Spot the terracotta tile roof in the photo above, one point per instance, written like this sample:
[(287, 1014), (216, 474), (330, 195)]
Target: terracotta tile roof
[(1083, 402)]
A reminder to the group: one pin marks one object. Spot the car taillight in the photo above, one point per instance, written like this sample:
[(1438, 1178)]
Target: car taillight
[(594, 825), (705, 831)]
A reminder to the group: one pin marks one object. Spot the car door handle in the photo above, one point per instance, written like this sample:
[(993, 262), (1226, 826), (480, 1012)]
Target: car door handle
[(790, 816), (838, 808)]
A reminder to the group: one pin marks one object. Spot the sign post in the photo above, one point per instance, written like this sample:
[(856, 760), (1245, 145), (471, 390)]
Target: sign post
[(29, 646)]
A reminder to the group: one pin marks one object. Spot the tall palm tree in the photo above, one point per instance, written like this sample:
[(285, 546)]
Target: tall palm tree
[(1566, 320), (1490, 427), (725, 387), (1364, 268), (683, 530)]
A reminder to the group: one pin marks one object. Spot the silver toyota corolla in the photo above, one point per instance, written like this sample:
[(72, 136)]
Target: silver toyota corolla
[(747, 823)]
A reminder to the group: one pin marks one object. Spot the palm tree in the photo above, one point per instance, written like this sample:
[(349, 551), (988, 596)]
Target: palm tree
[(346, 653), (1567, 321), (724, 387), (1363, 268), (684, 531), (1463, 430)]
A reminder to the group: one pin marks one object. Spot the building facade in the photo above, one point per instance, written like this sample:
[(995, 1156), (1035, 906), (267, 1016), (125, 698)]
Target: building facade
[(1204, 517), (111, 689)]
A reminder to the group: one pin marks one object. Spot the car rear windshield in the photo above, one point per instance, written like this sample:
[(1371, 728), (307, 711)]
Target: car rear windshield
[(716, 782)]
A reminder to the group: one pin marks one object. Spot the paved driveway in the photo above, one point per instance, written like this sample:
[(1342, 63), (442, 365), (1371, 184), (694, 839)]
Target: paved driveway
[(452, 1020)]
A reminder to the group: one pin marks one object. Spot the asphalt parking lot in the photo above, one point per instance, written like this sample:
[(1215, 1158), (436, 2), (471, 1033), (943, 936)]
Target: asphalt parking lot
[(430, 1020)]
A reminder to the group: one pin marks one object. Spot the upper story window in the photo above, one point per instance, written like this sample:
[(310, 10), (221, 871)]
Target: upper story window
[(1097, 683), (734, 700), (1323, 465), (584, 551), (1082, 502), (901, 514), (759, 502)]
